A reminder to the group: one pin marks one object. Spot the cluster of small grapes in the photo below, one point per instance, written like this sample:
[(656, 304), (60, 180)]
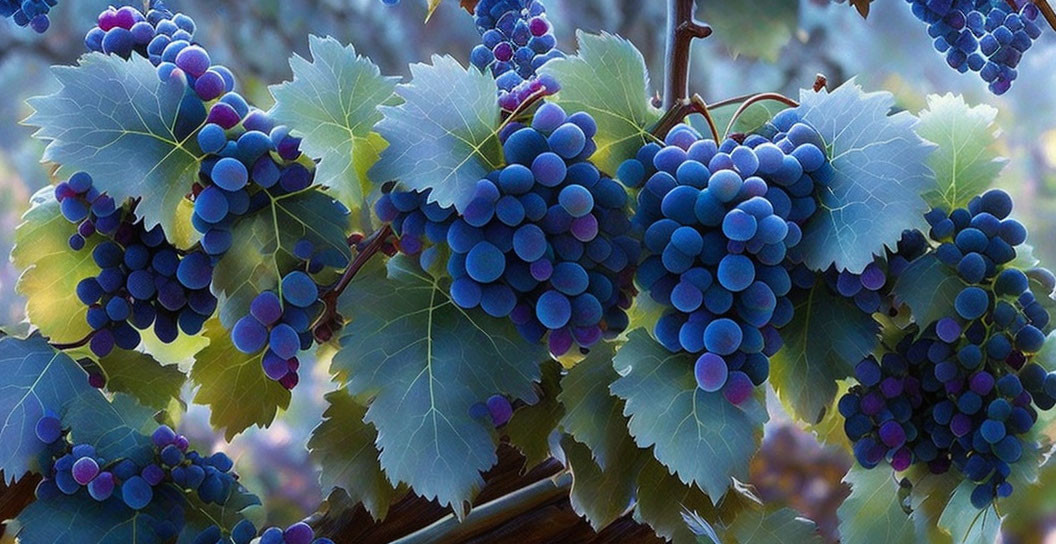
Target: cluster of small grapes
[(244, 532), (77, 466), (143, 280), (718, 224), (544, 240), (31, 13), (964, 391), (517, 40), (281, 323), (497, 408), (985, 36)]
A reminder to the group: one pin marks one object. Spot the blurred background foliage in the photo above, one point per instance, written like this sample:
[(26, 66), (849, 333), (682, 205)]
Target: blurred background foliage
[(768, 45)]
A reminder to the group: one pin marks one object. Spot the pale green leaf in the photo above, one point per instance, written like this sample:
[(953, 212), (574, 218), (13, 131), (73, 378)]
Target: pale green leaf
[(593, 415), (603, 495), (531, 426), (754, 28), (873, 513), (966, 523), (768, 525), (664, 502), (142, 377)]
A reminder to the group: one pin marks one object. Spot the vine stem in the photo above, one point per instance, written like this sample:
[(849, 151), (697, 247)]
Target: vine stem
[(492, 514), (1047, 12), (369, 247), (74, 345), (755, 100), (682, 28), (678, 113)]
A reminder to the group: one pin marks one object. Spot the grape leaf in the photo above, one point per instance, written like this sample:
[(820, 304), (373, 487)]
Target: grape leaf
[(664, 503), (593, 416), (607, 79), (52, 270), (343, 445), (805, 371), (81, 519), (134, 134), (701, 436), (766, 525), (928, 496), (263, 245), (332, 101), (530, 427), (603, 495), (880, 171), (929, 288), (142, 377), (443, 137), (234, 385), (116, 429), (201, 516), (426, 362), (754, 28), (36, 378), (873, 511), (966, 523), (965, 163)]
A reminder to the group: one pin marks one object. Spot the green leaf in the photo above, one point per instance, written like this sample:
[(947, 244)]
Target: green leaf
[(79, 518), (426, 362), (52, 270), (966, 523), (343, 445), (444, 136), (201, 516), (114, 119), (262, 247), (928, 496), (593, 416), (873, 513), (966, 161), (116, 429), (36, 378), (142, 377), (664, 502), (332, 101), (603, 495), (767, 525), (530, 427), (1047, 356), (608, 79), (929, 288), (701, 436), (754, 28), (880, 170), (234, 385), (805, 371)]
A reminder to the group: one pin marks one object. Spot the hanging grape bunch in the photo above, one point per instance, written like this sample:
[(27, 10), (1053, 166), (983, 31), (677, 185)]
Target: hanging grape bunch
[(31, 13)]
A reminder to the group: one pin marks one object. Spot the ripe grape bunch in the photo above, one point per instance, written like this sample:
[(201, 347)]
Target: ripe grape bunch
[(545, 239), (984, 36), (718, 223), (244, 532), (172, 472), (517, 40), (143, 280), (965, 392), (31, 13)]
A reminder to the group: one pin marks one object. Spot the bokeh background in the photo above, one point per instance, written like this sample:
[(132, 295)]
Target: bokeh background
[(890, 51)]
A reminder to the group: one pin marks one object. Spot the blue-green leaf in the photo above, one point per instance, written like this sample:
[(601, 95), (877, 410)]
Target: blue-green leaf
[(805, 371), (81, 519), (767, 525), (608, 79), (754, 28), (35, 378), (117, 429), (530, 427), (426, 362), (965, 163), (443, 137), (881, 169), (929, 288), (593, 416), (701, 436), (133, 133), (966, 523), (332, 101), (873, 513), (602, 495)]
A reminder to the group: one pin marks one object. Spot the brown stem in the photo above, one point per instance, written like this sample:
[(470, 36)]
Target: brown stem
[(1047, 12), (74, 345), (370, 247), (682, 28), (678, 113), (756, 99)]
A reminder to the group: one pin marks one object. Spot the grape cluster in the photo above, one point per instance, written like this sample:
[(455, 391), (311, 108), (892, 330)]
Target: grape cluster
[(143, 280), (282, 324), (545, 240), (244, 532), (964, 391), (984, 36), (73, 467), (31, 13), (497, 409), (517, 39), (719, 221)]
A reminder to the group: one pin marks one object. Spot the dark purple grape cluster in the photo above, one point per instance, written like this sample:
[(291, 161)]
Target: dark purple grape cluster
[(496, 409), (31, 13), (984, 36), (70, 468), (964, 391), (244, 532), (718, 223), (517, 39), (545, 240), (143, 280)]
